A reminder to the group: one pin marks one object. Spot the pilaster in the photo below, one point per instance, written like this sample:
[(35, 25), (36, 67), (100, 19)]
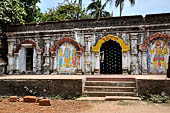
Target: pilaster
[(87, 55), (46, 54), (134, 54), (144, 63), (97, 64), (54, 63), (16, 55), (10, 67), (79, 70), (39, 70), (124, 63)]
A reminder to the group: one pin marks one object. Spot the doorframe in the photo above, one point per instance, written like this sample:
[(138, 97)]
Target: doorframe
[(96, 50), (113, 46)]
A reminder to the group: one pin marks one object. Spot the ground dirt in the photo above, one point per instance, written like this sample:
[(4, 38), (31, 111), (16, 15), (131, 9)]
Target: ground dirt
[(73, 106)]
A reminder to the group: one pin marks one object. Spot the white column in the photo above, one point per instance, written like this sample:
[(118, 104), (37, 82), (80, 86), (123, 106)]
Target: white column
[(97, 64), (134, 53), (16, 63), (54, 57), (10, 67), (124, 63), (79, 69), (47, 55), (39, 63), (144, 63)]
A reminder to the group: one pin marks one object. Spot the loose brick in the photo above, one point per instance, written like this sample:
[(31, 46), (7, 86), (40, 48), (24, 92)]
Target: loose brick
[(21, 100), (44, 102), (13, 98), (31, 99), (40, 98)]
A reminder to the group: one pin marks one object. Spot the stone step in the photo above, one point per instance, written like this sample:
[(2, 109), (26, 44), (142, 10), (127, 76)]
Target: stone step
[(115, 98), (108, 89), (103, 94), (109, 79), (108, 98), (91, 98), (110, 83)]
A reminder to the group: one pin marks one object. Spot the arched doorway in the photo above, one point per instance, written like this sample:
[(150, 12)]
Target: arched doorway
[(111, 58)]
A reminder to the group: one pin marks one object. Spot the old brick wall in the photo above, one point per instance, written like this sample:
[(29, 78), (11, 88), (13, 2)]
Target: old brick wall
[(153, 86), (43, 87)]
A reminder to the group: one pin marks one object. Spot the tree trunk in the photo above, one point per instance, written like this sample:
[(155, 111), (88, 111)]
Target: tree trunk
[(120, 8), (80, 3)]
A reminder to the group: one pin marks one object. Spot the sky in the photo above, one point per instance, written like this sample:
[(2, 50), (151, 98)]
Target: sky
[(141, 7)]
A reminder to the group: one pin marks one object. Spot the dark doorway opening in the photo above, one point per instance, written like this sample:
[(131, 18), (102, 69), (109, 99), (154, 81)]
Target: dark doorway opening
[(111, 58), (29, 59)]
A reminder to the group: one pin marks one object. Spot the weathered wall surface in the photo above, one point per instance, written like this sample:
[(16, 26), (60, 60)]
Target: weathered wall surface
[(153, 86), (133, 30), (43, 87)]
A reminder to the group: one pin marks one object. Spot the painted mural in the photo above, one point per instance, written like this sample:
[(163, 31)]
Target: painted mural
[(66, 59), (158, 53)]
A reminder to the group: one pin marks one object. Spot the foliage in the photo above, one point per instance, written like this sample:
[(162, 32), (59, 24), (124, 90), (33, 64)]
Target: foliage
[(121, 4), (58, 97), (33, 12), (30, 91), (97, 9), (11, 11), (162, 98), (66, 97), (19, 12), (65, 11), (123, 103)]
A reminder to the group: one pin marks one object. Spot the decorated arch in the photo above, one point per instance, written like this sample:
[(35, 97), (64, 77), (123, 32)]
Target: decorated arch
[(33, 43), (125, 48), (68, 55), (66, 40), (158, 50)]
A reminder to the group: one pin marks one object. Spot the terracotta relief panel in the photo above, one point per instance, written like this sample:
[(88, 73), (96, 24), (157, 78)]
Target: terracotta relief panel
[(157, 56), (67, 59)]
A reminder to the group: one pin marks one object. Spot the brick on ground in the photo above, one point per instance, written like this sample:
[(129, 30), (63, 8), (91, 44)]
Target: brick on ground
[(13, 99), (44, 102), (31, 99), (21, 100), (40, 98)]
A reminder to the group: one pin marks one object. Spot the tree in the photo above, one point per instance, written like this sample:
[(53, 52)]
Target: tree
[(65, 11), (121, 4), (32, 10), (97, 9), (11, 12)]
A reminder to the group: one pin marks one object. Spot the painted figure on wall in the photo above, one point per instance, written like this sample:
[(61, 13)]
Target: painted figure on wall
[(158, 56), (67, 55), (60, 57), (67, 59), (74, 58)]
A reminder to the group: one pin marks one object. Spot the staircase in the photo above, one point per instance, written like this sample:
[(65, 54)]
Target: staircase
[(112, 88)]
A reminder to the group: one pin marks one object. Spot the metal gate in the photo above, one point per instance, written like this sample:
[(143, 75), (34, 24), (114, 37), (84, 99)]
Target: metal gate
[(111, 58)]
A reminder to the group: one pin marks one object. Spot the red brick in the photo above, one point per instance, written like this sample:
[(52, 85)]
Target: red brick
[(40, 98), (21, 100), (31, 99), (44, 102), (13, 98)]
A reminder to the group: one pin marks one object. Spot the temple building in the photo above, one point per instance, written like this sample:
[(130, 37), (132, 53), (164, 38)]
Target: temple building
[(117, 45)]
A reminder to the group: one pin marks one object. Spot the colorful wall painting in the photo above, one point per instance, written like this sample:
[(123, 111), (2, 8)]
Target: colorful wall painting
[(67, 59), (158, 52)]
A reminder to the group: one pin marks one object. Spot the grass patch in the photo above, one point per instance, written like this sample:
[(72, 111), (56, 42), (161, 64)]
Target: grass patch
[(123, 103)]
